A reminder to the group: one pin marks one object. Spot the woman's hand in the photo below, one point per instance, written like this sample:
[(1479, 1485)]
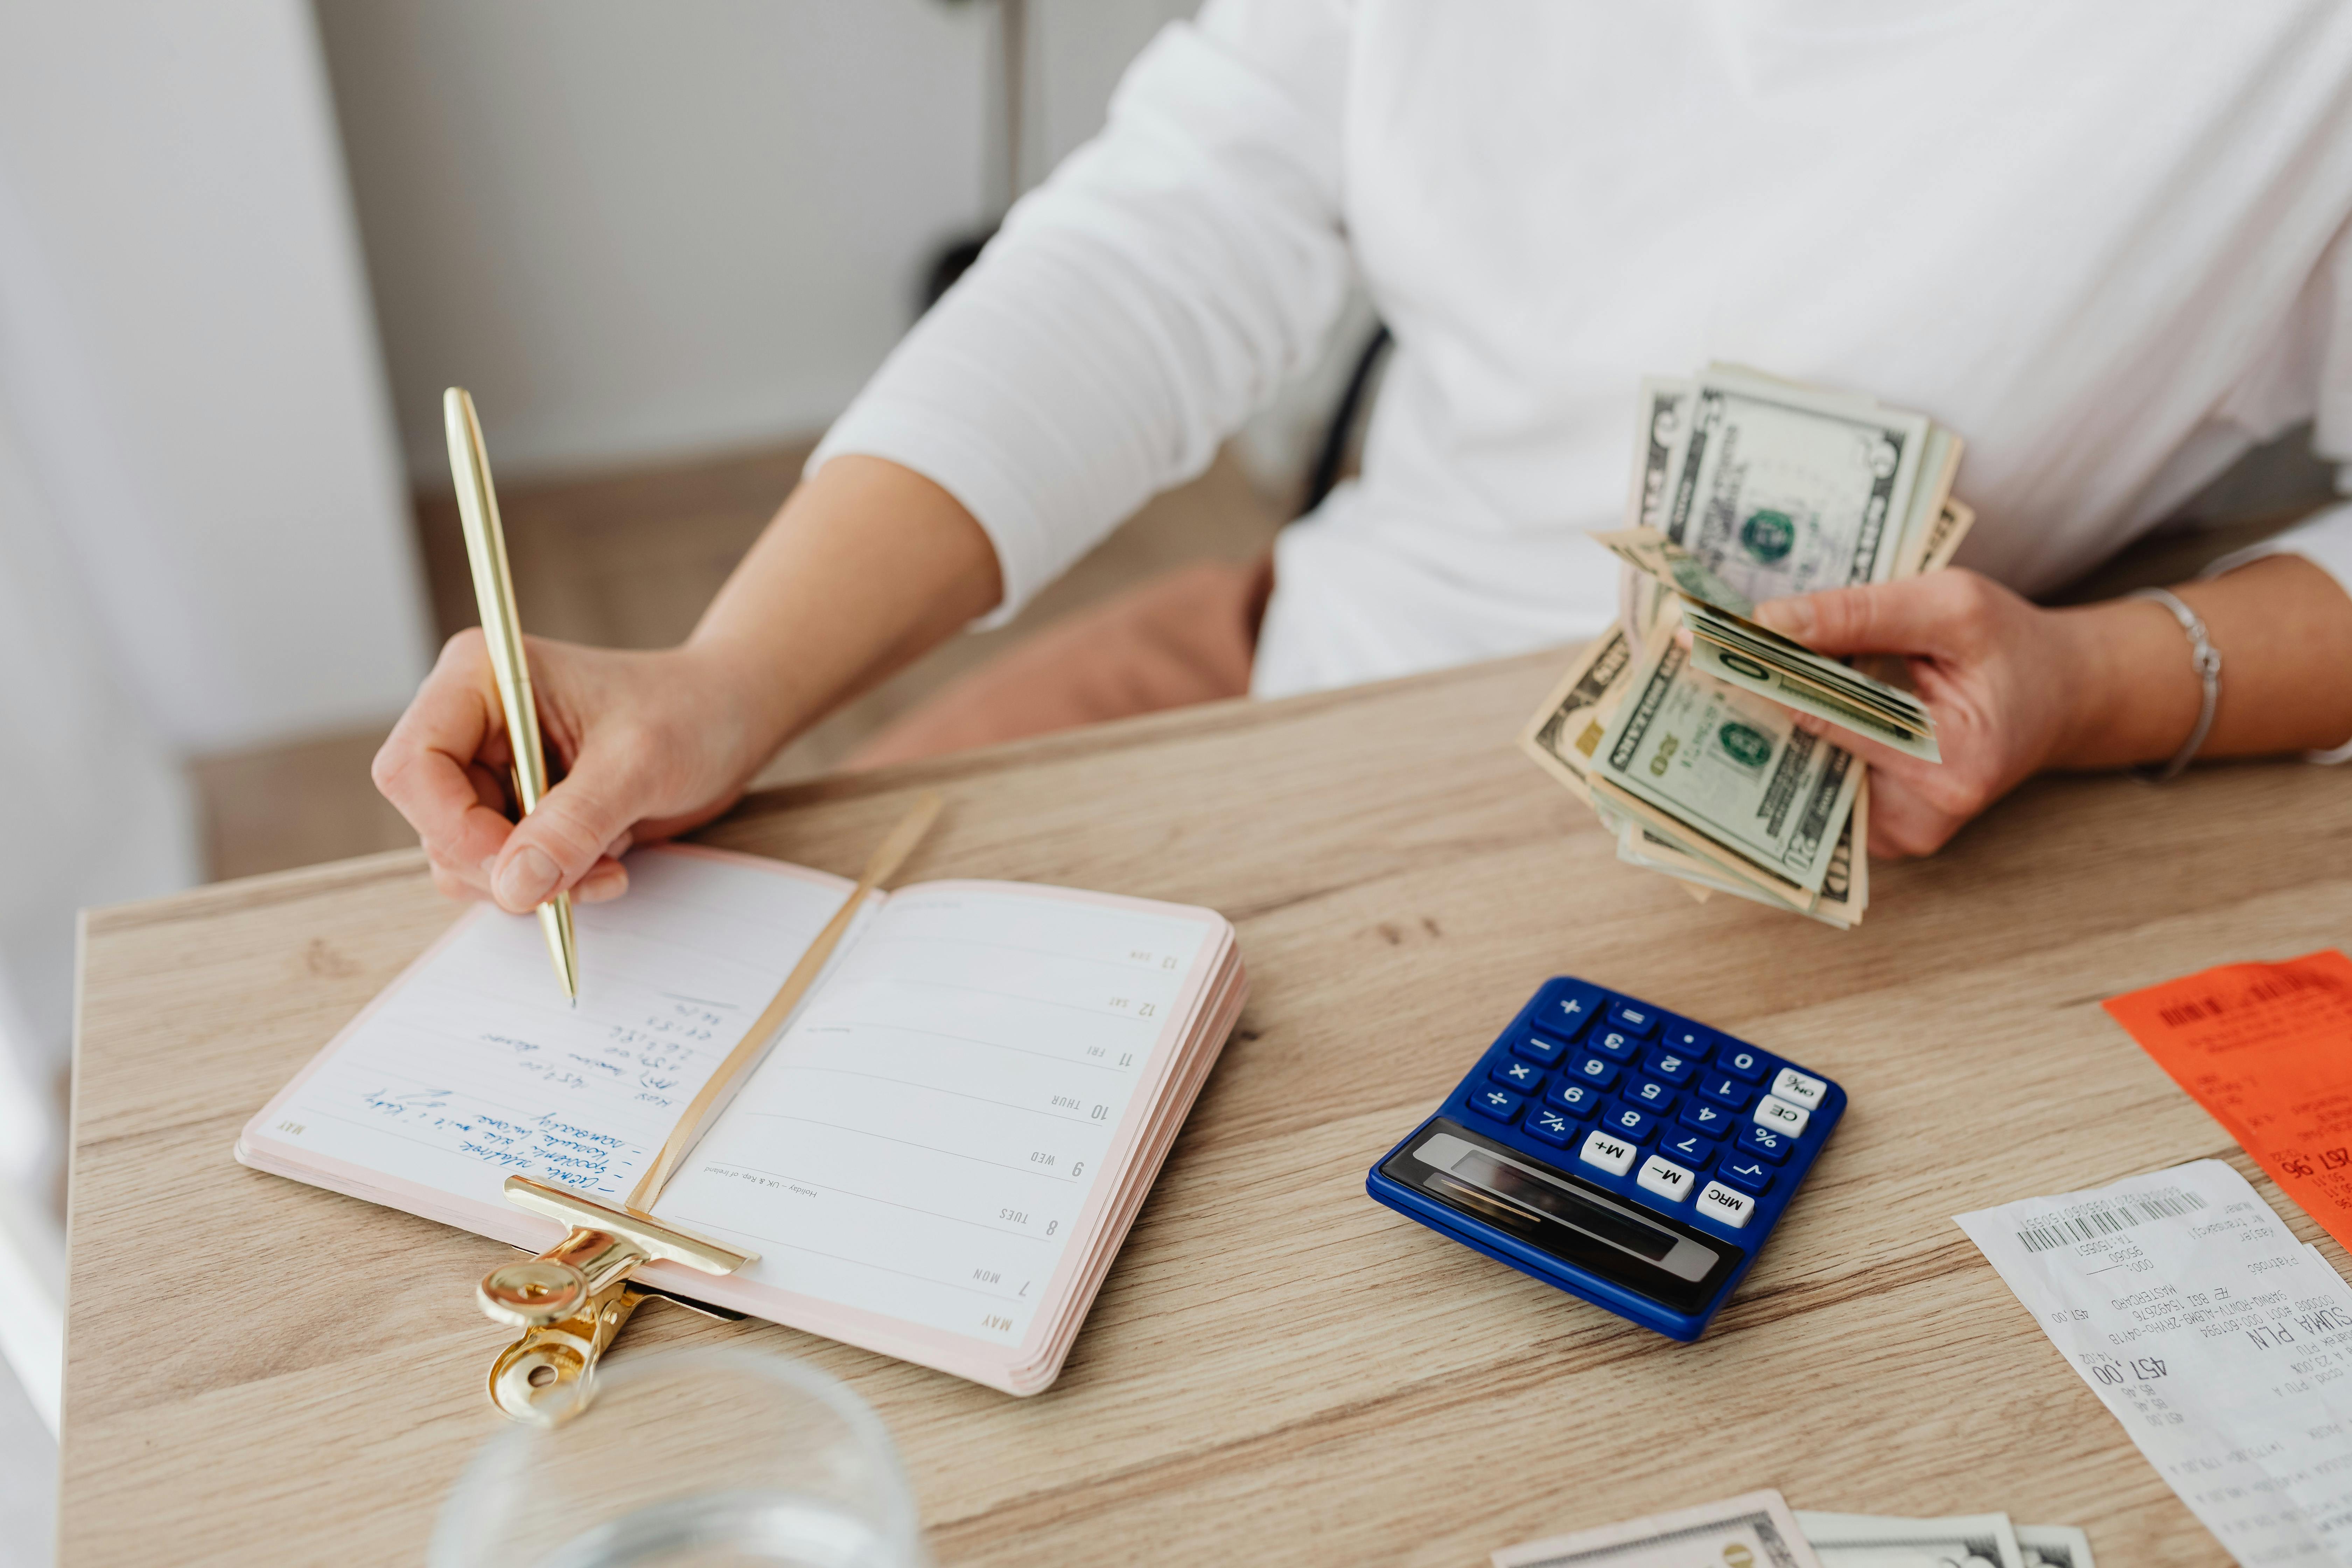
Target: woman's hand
[(646, 745), (2001, 677)]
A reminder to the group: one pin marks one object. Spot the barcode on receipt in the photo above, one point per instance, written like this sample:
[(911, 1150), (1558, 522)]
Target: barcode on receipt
[(2091, 1221)]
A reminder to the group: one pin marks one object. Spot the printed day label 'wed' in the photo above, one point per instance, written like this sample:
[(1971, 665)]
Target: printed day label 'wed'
[(2266, 1048)]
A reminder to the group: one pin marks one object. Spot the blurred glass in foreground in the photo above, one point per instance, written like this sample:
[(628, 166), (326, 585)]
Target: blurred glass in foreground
[(707, 1459)]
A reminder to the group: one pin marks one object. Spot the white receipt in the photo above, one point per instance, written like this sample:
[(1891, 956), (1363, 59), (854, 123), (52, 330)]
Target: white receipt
[(2221, 1343)]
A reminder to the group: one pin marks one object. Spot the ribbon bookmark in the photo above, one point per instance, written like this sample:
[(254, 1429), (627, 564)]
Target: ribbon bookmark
[(572, 1298)]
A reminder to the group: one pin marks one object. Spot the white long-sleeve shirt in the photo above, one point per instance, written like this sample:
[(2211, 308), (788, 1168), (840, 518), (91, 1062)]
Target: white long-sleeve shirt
[(2105, 240)]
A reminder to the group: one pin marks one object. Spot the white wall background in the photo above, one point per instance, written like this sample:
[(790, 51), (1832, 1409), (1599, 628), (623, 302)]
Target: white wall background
[(636, 231)]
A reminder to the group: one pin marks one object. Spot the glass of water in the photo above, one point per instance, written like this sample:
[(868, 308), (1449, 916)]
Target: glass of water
[(700, 1458)]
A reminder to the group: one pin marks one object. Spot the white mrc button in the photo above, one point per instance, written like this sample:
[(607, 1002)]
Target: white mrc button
[(1613, 1155), (1725, 1208), (1797, 1089), (1781, 1116), (1666, 1179)]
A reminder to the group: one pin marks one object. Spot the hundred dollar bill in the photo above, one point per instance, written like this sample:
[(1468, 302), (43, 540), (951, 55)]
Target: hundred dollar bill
[(1566, 730), (1780, 490), (1865, 1540), (1753, 1532), (1727, 771)]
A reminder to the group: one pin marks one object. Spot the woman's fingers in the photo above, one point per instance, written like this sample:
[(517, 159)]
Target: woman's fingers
[(565, 837), (431, 767), (1944, 615)]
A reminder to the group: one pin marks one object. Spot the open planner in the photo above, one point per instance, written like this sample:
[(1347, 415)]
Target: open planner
[(936, 1160)]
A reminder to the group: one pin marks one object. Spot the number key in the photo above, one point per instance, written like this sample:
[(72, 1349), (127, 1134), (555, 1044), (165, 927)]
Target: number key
[(1630, 1122), (1651, 1095), (1598, 1071), (1725, 1092), (1573, 1099), (1743, 1062), (1712, 1119), (1614, 1044), (1671, 1065), (1690, 1148)]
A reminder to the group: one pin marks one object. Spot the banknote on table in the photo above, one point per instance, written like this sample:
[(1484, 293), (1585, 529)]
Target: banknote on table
[(1867, 1541), (1756, 1530), (2053, 1546)]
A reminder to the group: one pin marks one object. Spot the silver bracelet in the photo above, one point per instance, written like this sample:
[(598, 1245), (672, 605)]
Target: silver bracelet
[(2207, 661)]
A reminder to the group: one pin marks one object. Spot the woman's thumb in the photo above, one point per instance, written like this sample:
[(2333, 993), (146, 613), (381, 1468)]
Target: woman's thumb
[(555, 846), (1908, 617)]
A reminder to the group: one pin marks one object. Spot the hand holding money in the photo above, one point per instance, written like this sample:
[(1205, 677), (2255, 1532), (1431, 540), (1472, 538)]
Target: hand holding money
[(1708, 756)]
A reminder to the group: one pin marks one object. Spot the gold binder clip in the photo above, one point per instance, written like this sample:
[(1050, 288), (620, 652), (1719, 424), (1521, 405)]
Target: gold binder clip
[(571, 1299)]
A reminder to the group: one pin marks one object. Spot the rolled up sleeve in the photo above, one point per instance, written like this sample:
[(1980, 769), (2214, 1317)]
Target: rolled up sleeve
[(1141, 304)]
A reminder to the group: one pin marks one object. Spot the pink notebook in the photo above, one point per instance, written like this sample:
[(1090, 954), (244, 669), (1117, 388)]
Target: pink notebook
[(938, 1159)]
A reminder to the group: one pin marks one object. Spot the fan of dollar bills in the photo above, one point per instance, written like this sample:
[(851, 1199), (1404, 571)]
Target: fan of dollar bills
[(1675, 726)]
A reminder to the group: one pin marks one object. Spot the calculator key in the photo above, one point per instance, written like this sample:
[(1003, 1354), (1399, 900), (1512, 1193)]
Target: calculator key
[(1688, 1038), (1728, 1092), (1795, 1087), (1615, 1044), (1714, 1120), (1550, 1126), (1598, 1071), (1651, 1095), (1763, 1142), (1525, 1077), (1747, 1174), (1634, 1019), (1565, 1009), (1666, 1179), (1613, 1155), (1499, 1103), (1725, 1208), (1670, 1066), (1541, 1049), (1574, 1098), (1686, 1148), (1744, 1062), (1630, 1122), (1781, 1116)]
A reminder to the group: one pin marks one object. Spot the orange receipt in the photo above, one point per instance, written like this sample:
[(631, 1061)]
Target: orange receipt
[(2267, 1049)]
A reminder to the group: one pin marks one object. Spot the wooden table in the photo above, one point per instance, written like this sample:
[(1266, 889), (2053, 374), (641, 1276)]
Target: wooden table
[(1278, 1370)]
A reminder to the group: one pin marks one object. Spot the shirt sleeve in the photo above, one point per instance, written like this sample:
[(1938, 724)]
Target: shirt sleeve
[(1141, 304)]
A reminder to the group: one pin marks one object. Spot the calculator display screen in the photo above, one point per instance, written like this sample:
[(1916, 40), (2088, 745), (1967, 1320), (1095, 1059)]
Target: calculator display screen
[(1571, 1220)]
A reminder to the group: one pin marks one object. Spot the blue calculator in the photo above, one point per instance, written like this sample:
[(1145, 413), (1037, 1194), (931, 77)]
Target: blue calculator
[(1612, 1149)]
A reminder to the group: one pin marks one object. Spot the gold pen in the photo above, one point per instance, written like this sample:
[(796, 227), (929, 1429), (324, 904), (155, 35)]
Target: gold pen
[(485, 549)]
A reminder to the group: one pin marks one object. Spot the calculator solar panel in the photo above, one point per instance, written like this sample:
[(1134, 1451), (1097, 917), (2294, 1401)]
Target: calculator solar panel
[(1617, 1152)]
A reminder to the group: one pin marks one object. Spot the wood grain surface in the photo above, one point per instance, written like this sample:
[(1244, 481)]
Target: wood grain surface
[(1278, 1370)]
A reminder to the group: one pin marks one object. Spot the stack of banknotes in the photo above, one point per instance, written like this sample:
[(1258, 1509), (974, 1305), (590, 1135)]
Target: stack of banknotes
[(1677, 725), (1761, 1531)]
